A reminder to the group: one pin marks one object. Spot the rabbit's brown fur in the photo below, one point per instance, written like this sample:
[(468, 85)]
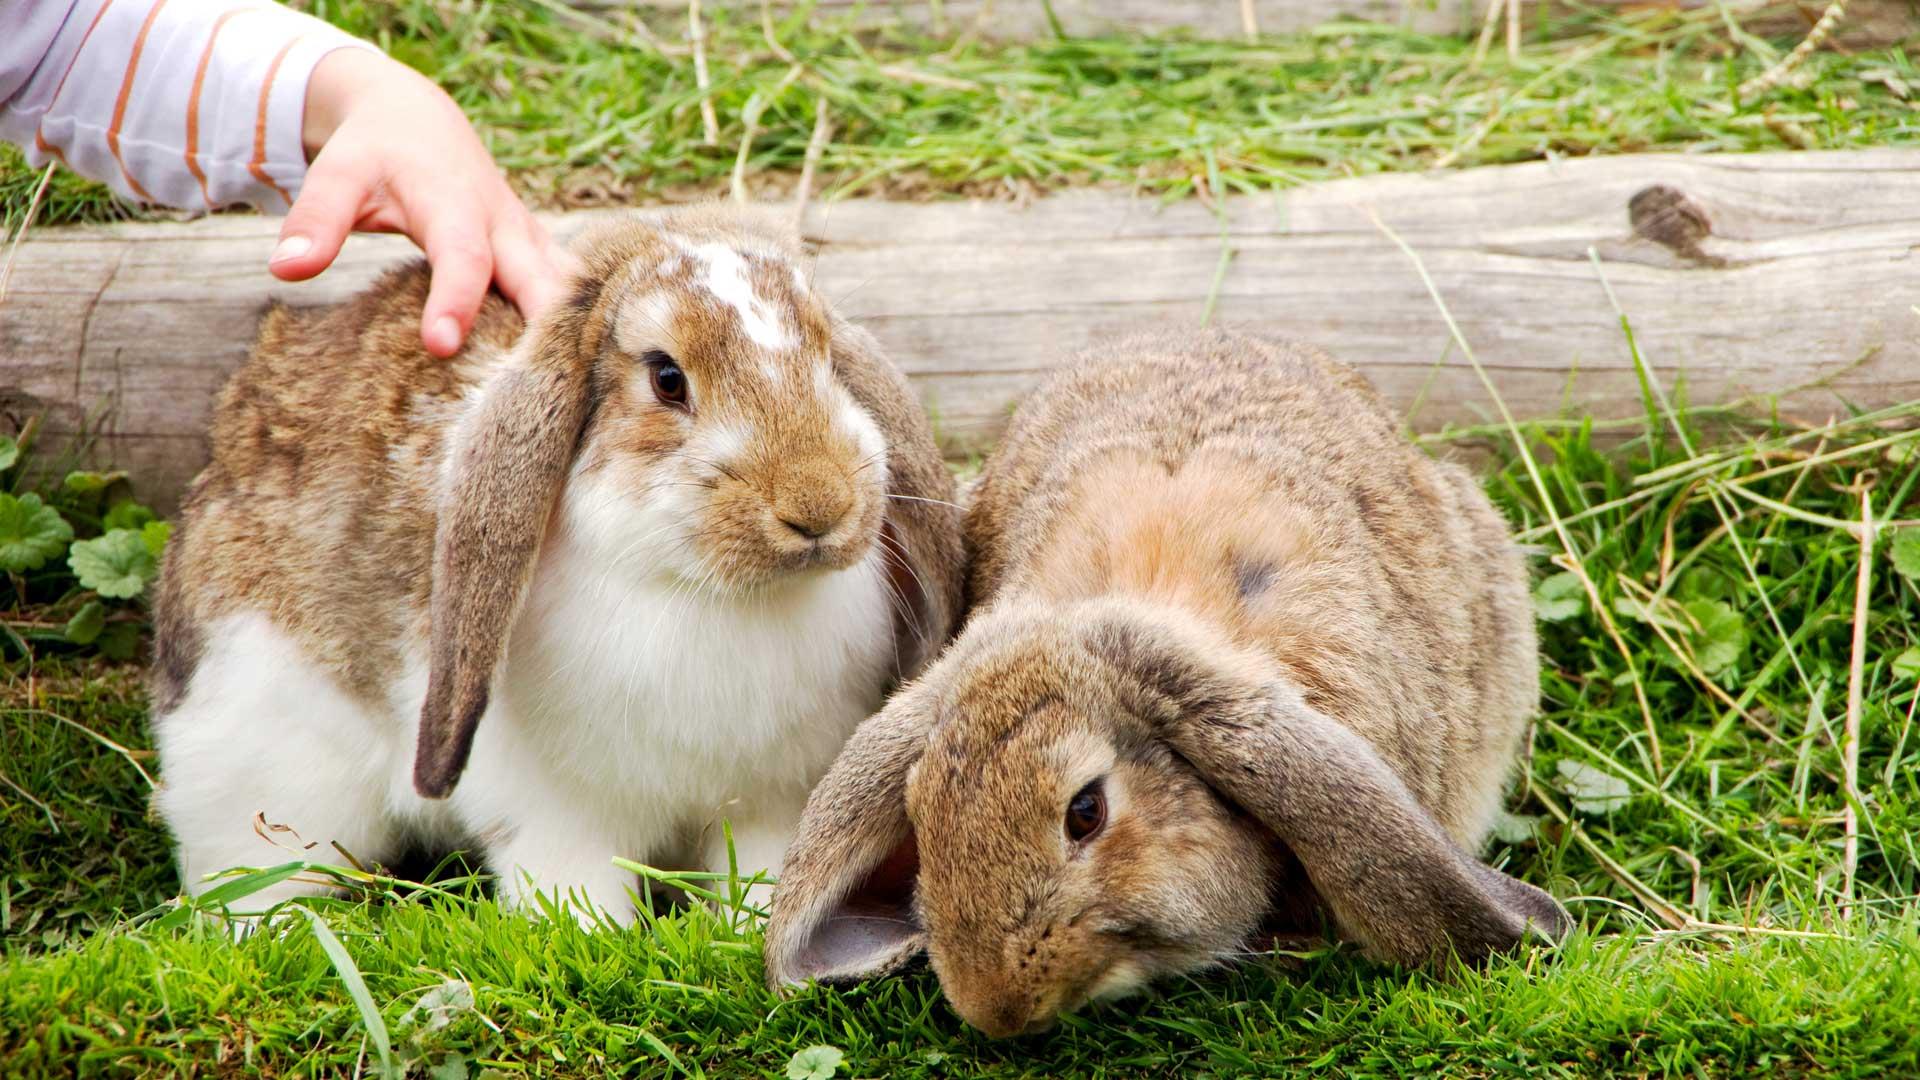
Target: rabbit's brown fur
[(1140, 478), (301, 469), (1213, 583), (376, 524)]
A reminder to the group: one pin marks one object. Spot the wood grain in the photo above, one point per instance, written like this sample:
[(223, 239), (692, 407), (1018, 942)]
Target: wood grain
[(1806, 273)]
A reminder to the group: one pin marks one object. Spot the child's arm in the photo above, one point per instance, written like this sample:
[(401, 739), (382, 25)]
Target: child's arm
[(201, 103), (187, 103)]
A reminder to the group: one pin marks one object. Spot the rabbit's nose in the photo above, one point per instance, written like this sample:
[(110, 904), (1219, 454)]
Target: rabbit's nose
[(998, 1010), (810, 528), (1001, 1020), (816, 510)]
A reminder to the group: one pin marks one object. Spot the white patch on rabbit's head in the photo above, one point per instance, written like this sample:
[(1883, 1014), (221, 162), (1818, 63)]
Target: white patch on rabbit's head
[(724, 276)]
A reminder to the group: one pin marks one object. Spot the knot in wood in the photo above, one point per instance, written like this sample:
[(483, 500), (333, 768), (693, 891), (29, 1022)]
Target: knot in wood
[(1666, 216)]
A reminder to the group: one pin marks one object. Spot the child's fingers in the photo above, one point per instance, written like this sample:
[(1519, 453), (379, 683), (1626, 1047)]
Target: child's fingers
[(462, 261), (531, 269), (331, 200)]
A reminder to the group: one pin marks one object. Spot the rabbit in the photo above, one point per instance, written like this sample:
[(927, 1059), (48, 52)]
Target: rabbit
[(1239, 659), (636, 570)]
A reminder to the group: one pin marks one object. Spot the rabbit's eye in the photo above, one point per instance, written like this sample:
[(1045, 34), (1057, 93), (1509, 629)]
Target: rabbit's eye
[(669, 382), (1087, 812)]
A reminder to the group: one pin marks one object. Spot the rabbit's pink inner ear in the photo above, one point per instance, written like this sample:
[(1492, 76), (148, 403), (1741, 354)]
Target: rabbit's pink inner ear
[(872, 931)]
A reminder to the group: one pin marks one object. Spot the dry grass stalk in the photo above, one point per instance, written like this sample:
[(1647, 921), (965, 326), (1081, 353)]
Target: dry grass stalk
[(33, 208), (766, 31), (1816, 37), (697, 33), (816, 146), (1500, 12), (750, 126), (925, 78), (1856, 680)]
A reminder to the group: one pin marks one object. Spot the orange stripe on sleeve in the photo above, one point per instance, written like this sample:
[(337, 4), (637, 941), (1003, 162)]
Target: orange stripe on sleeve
[(193, 104), (40, 142), (126, 92), (260, 124)]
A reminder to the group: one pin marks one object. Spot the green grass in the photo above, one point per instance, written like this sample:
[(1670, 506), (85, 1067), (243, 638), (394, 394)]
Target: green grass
[(1699, 838), (550, 998), (1708, 879), (583, 110), (77, 850)]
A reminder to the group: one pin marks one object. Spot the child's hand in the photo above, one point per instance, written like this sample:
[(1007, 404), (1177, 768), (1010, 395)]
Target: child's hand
[(391, 152)]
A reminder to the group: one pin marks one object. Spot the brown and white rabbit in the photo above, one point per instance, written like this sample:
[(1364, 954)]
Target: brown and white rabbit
[(1239, 655), (672, 544)]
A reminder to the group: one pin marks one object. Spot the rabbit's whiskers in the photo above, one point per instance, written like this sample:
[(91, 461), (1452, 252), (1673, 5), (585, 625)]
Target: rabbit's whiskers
[(916, 498)]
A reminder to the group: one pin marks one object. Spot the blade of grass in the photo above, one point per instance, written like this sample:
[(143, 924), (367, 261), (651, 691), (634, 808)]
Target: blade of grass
[(349, 972)]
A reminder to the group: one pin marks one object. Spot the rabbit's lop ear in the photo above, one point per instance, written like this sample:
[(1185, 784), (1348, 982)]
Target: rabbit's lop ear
[(509, 459), (1393, 878), (843, 908), (919, 537)]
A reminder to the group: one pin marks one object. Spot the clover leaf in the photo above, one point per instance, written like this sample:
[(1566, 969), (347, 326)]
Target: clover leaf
[(1512, 828), (84, 482), (1907, 664), (815, 1063), (1560, 597), (1720, 639), (31, 532), (1593, 790), (126, 514), (155, 535), (1906, 552), (116, 565), (119, 641), (87, 623)]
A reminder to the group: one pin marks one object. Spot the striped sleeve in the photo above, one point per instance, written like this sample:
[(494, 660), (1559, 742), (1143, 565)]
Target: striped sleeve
[(184, 103)]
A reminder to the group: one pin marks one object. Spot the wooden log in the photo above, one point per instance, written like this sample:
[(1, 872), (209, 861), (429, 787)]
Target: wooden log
[(1752, 274), (1868, 23)]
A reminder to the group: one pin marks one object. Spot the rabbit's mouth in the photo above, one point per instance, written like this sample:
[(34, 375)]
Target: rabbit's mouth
[(798, 552), (1118, 979), (761, 576), (743, 548)]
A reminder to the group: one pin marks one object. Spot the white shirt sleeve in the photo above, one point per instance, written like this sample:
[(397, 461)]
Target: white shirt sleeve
[(184, 103)]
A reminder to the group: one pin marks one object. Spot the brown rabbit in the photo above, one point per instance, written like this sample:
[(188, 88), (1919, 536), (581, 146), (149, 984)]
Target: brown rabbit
[(673, 542), (1239, 654)]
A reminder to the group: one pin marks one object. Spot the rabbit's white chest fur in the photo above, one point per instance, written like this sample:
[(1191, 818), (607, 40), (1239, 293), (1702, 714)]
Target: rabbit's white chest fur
[(663, 701), (633, 713), (635, 710)]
